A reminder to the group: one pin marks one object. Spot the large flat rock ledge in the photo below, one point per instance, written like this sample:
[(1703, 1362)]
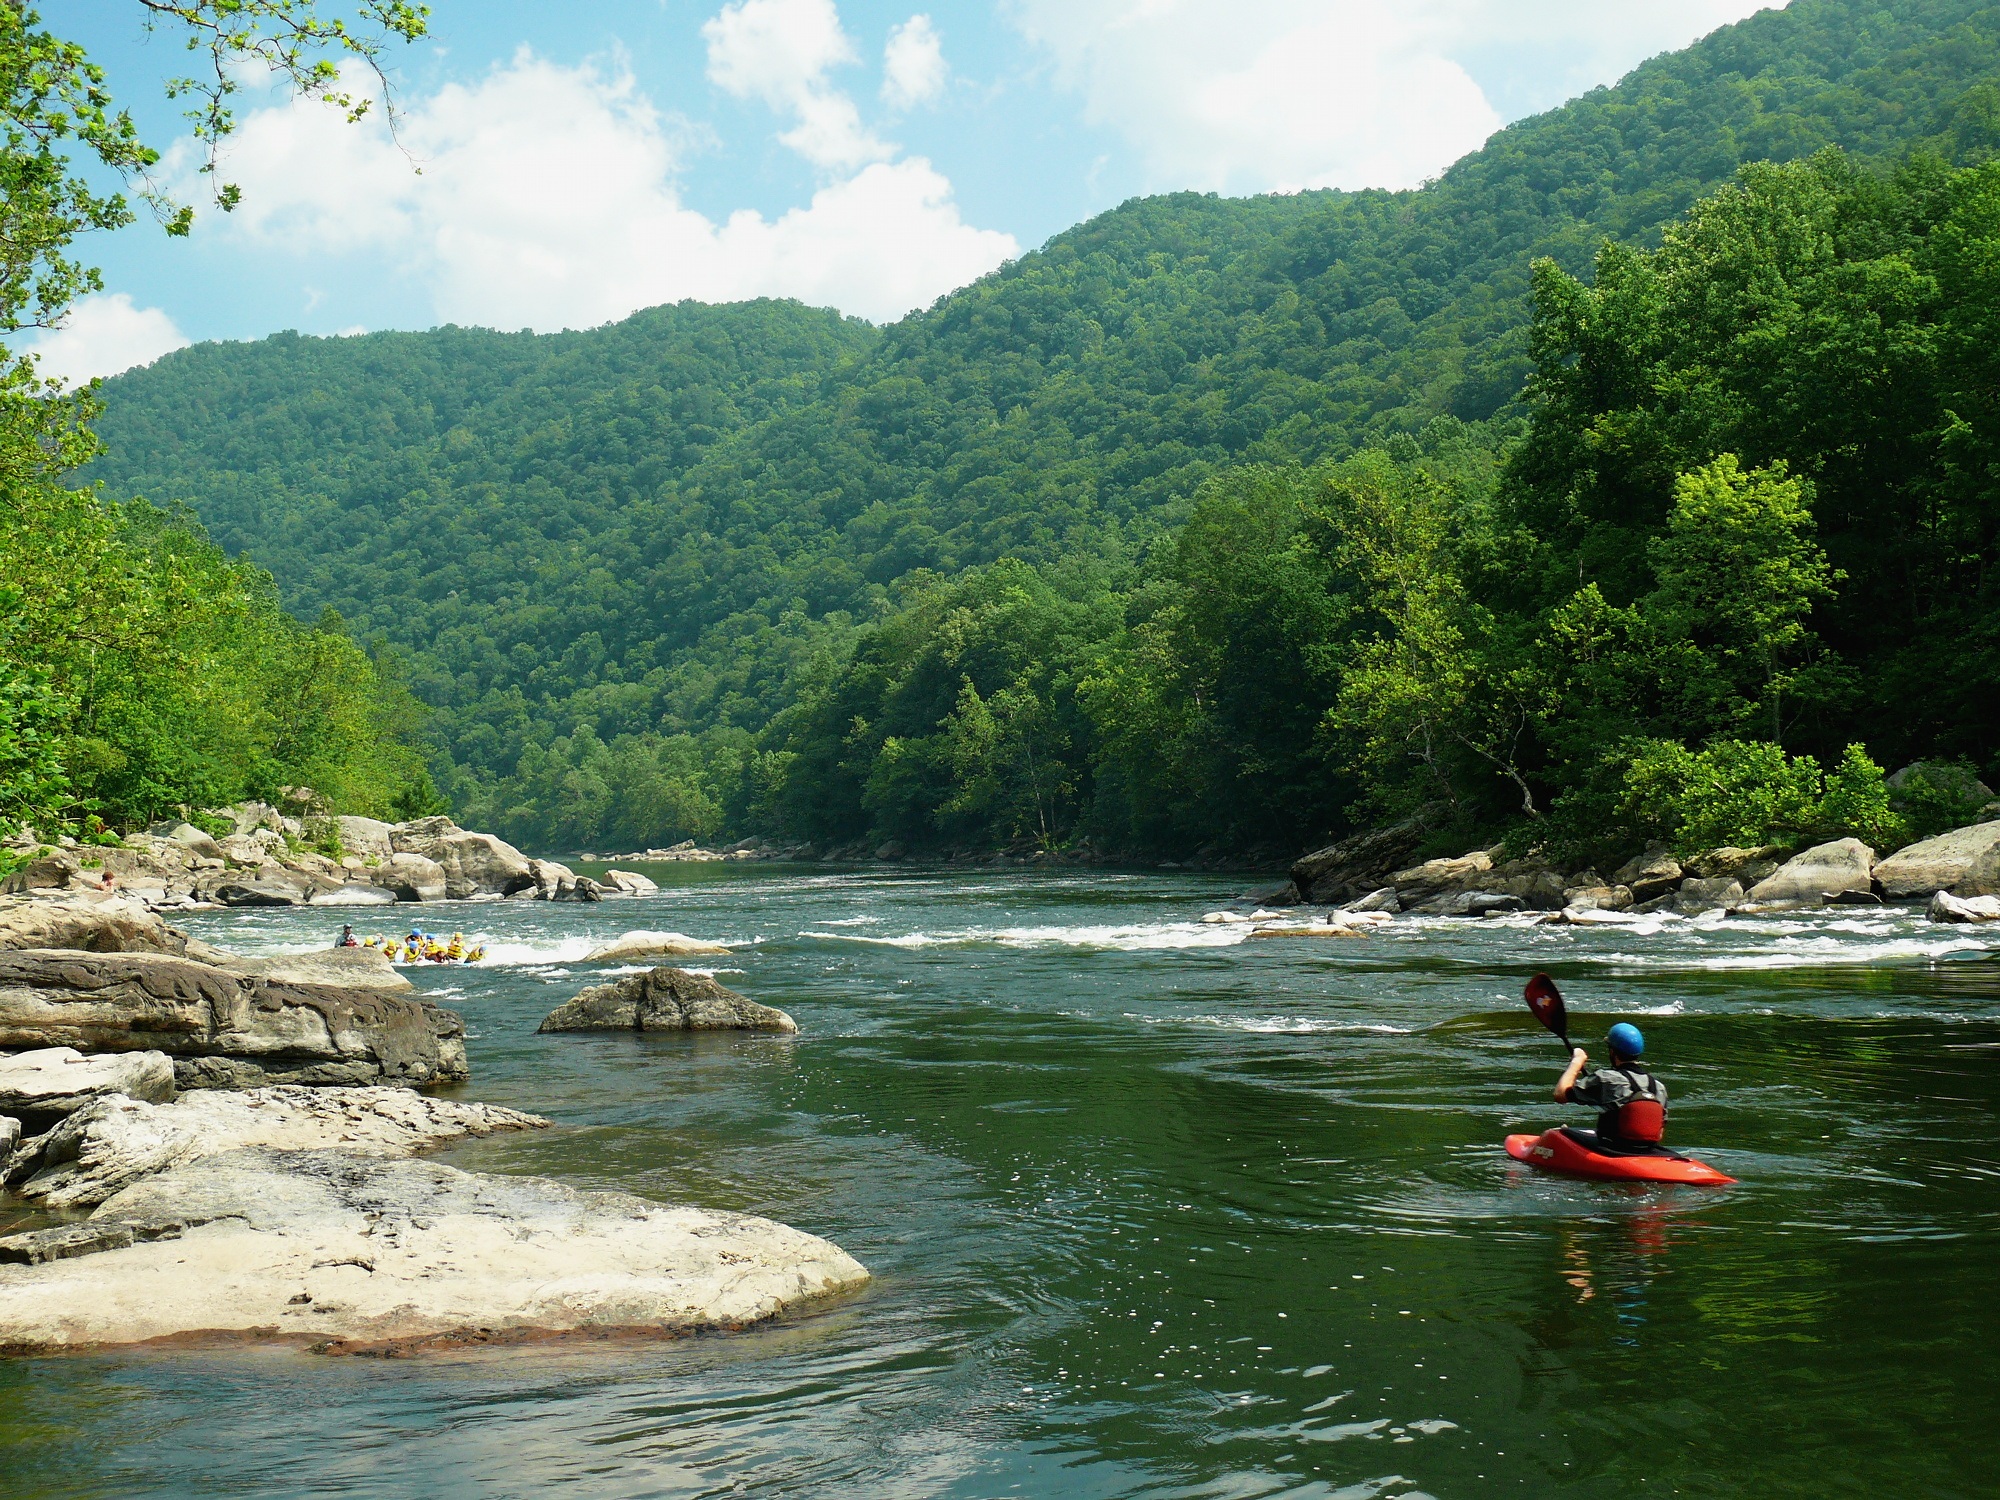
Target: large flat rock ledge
[(346, 1254), (223, 1029)]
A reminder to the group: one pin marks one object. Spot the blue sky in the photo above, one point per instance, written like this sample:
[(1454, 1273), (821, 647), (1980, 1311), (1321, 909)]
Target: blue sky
[(580, 161)]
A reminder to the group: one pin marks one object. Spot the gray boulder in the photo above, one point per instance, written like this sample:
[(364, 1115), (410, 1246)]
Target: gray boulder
[(1649, 875), (410, 877), (1693, 897), (50, 1082), (225, 1030), (665, 999), (1382, 899), (1946, 907), (48, 872), (1598, 898), (629, 882), (271, 885), (110, 1143), (1965, 861), (343, 968), (557, 882), (89, 923), (654, 945), (1814, 874), (196, 841), (369, 838), (1747, 866), (344, 1253), (473, 863), (1354, 866)]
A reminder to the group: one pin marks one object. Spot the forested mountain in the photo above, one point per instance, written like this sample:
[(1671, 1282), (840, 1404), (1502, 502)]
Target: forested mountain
[(687, 522)]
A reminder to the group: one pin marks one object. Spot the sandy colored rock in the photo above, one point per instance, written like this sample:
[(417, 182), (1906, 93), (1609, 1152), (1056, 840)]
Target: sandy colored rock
[(1965, 861), (367, 837), (665, 999), (344, 968), (410, 877), (342, 1251), (473, 863), (110, 1143), (93, 924), (1815, 873), (1649, 875), (225, 1030), (631, 882), (55, 1081), (653, 944), (1946, 907), (1435, 876)]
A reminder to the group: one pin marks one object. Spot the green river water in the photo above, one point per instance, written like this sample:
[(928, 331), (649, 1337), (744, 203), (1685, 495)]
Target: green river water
[(1156, 1211)]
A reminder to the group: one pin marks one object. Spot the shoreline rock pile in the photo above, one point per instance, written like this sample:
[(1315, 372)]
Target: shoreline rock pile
[(1957, 874), (274, 859)]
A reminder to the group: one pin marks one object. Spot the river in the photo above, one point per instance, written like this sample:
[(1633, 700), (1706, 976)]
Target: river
[(1154, 1210)]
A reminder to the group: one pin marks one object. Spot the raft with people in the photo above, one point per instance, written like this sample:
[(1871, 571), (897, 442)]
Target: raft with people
[(425, 948)]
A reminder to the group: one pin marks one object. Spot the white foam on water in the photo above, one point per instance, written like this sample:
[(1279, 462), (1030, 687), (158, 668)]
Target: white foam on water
[(566, 950), (1280, 1025), (1137, 937)]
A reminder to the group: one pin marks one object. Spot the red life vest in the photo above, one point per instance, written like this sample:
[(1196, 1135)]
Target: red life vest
[(1642, 1121)]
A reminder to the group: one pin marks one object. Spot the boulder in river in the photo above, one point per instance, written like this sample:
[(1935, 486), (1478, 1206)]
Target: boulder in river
[(349, 1253), (653, 945), (1598, 898), (369, 838), (108, 1143), (1356, 865), (1649, 875), (271, 885), (1437, 877), (629, 882), (1746, 866), (90, 923), (1946, 907), (344, 968), (1814, 874), (558, 882), (1693, 897), (410, 877), (1965, 861), (50, 1082), (225, 1030), (665, 999), (474, 864)]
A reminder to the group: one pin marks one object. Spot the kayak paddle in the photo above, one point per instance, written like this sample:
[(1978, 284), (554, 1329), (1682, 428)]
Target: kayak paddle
[(1546, 1001)]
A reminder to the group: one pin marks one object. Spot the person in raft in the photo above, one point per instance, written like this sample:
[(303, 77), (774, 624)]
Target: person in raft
[(347, 938), (1631, 1103)]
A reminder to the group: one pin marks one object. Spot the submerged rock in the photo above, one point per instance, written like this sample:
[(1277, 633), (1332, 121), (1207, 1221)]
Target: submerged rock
[(348, 1253), (665, 999), (649, 944), (51, 1082), (225, 1030), (109, 1143)]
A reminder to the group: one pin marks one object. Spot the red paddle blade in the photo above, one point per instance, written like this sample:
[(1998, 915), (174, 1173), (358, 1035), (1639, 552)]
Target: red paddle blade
[(1546, 1001)]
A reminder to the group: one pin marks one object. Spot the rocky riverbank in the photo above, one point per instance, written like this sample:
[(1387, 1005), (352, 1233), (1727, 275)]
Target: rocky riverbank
[(271, 858), (240, 1129), (1956, 875)]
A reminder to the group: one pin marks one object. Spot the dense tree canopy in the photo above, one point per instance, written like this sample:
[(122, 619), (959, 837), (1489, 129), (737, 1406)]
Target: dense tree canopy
[(1212, 521)]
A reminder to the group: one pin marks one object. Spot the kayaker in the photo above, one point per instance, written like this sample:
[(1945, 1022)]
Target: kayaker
[(1631, 1103)]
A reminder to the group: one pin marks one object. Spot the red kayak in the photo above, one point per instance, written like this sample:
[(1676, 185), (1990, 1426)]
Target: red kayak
[(1557, 1151)]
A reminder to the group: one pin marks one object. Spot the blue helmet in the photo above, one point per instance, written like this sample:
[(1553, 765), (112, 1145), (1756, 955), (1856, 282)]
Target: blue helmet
[(1626, 1040)]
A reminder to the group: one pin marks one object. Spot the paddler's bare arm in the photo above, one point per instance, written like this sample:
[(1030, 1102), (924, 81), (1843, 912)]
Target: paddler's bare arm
[(1577, 1058)]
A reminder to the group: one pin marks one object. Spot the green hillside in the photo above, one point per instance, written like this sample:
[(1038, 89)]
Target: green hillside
[(684, 522)]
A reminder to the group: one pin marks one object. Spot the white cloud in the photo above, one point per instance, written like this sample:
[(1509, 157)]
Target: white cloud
[(913, 65), (1261, 94), (780, 51), (548, 199), (104, 335)]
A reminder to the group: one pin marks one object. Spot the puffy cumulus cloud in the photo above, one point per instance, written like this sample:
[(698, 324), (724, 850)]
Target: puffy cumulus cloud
[(913, 65), (104, 335), (1261, 94), (547, 198), (780, 51)]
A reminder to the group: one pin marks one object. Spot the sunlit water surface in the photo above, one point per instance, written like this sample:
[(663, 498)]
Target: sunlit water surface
[(1155, 1210)]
